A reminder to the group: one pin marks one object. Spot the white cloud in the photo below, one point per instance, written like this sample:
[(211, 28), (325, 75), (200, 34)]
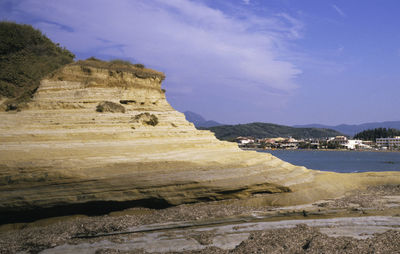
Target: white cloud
[(338, 10), (246, 1), (198, 47)]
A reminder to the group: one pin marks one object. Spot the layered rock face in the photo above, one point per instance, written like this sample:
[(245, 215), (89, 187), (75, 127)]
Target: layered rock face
[(93, 135)]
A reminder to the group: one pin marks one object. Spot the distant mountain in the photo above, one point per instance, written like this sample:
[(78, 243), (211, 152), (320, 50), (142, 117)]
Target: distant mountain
[(199, 121), (351, 130), (268, 130)]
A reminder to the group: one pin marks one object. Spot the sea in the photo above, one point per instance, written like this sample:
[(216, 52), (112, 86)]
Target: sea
[(340, 161)]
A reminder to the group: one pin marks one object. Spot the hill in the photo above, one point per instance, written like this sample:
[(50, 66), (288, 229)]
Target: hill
[(26, 56), (377, 133), (351, 130), (199, 121), (268, 130)]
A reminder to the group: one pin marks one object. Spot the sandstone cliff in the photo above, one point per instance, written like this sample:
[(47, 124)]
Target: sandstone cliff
[(97, 134)]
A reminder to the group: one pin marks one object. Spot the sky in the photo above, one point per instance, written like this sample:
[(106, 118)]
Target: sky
[(239, 61)]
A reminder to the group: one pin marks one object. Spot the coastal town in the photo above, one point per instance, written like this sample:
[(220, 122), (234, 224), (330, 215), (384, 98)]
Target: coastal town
[(338, 142)]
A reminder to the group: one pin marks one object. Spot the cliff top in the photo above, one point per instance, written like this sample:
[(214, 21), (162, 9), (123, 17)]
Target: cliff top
[(27, 56), (138, 70)]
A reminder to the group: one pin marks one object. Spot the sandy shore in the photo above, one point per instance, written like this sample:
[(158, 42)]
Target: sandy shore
[(364, 221)]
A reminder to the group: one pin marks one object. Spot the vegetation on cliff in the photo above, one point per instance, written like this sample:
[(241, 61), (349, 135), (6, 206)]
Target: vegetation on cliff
[(26, 56), (377, 133), (119, 66), (146, 119), (109, 106), (268, 130)]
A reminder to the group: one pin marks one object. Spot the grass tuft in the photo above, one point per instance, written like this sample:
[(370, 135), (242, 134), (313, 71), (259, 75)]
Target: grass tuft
[(120, 66)]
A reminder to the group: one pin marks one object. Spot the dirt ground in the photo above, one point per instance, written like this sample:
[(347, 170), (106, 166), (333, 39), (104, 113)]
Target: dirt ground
[(302, 239), (137, 222)]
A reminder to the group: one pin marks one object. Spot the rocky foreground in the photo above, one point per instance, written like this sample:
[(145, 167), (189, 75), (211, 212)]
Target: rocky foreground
[(365, 221)]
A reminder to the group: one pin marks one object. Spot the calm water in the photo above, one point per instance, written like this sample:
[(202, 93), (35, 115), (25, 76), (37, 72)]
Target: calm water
[(341, 161)]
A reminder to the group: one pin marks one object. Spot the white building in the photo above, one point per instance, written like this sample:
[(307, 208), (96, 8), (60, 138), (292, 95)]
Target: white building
[(339, 140), (388, 142), (353, 144), (244, 140)]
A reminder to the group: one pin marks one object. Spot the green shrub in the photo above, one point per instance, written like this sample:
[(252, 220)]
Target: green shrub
[(26, 56)]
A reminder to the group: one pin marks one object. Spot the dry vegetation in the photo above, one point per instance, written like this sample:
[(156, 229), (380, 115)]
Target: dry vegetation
[(109, 106), (146, 118), (119, 66)]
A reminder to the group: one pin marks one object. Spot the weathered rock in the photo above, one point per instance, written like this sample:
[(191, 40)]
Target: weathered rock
[(62, 153), (109, 106)]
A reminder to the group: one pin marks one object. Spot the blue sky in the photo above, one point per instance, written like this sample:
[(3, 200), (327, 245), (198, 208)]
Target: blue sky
[(279, 61)]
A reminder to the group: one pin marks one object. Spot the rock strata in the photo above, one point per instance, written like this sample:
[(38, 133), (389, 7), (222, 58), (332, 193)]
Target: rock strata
[(63, 153)]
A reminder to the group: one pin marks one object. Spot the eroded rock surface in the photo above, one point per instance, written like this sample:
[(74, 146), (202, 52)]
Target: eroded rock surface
[(63, 153), (367, 220)]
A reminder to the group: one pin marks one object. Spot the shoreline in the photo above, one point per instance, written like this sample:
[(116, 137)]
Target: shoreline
[(324, 150)]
